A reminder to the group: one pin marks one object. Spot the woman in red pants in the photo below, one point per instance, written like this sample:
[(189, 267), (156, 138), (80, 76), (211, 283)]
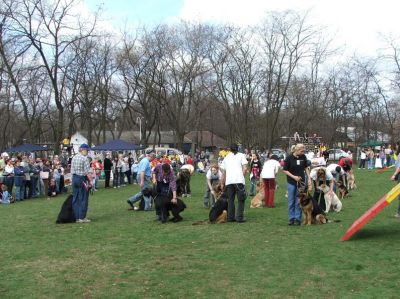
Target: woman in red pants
[(268, 175)]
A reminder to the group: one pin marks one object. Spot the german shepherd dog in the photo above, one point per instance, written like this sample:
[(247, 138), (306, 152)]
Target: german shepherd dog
[(218, 213), (343, 191), (313, 214)]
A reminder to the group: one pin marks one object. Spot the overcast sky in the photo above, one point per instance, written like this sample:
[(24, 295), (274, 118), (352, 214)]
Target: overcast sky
[(355, 24)]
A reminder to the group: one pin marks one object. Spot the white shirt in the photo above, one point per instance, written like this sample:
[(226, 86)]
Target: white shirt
[(270, 169), (233, 166), (313, 174), (332, 169), (363, 156)]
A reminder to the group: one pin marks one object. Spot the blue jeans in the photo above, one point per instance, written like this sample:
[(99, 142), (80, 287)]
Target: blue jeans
[(294, 210), (138, 196), (34, 181), (371, 163), (253, 183), (80, 197), (19, 193)]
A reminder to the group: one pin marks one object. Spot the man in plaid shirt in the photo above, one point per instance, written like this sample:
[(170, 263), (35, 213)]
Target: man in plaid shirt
[(80, 167)]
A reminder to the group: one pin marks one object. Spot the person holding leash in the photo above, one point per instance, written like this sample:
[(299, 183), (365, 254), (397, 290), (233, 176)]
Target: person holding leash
[(295, 168), (234, 167), (80, 168)]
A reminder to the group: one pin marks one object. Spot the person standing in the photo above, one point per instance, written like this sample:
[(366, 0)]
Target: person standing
[(363, 158), (234, 167), (144, 178), (388, 152), (295, 168), (255, 170), (268, 175), (396, 177), (19, 180), (107, 165), (80, 168), (370, 158)]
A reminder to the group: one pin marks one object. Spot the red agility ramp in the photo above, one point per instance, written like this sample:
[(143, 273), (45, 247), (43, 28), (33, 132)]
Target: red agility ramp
[(382, 170), (371, 213)]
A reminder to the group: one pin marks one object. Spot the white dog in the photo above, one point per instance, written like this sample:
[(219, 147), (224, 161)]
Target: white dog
[(331, 199)]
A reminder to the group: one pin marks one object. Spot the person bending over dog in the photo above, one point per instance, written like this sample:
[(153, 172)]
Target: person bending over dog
[(234, 167), (321, 176), (213, 176), (164, 205), (164, 180)]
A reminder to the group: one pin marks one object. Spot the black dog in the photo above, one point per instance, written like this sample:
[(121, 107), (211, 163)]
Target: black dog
[(219, 207), (183, 182), (164, 205), (66, 214)]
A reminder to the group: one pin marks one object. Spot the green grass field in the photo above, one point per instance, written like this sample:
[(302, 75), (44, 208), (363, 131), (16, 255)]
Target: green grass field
[(126, 254)]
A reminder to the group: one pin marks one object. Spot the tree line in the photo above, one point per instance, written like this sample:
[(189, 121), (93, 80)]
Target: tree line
[(61, 71)]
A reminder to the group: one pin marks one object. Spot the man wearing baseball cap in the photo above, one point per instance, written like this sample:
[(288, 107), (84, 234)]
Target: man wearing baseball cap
[(80, 168)]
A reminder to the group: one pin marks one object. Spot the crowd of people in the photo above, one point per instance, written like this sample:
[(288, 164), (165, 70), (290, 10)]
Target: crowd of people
[(23, 177), (381, 158)]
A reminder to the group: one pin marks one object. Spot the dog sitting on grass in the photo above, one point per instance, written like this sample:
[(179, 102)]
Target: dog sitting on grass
[(258, 199), (66, 214), (313, 214), (331, 199), (219, 212), (343, 192)]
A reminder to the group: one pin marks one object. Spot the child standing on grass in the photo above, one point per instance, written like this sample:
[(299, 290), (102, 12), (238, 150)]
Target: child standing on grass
[(255, 171)]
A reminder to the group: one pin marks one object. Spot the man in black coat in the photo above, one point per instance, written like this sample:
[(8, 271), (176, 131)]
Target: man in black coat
[(107, 169)]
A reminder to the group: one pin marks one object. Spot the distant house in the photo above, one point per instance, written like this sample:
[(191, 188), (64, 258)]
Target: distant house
[(164, 139), (207, 140)]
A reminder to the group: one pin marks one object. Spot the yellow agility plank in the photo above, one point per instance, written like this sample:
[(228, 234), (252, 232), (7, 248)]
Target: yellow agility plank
[(392, 195)]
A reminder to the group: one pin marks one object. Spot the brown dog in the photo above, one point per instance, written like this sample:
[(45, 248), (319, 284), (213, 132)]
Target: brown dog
[(311, 210), (258, 199), (218, 213), (342, 189), (306, 206), (351, 181)]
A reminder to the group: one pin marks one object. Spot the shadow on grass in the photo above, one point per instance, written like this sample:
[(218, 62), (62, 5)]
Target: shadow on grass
[(376, 233)]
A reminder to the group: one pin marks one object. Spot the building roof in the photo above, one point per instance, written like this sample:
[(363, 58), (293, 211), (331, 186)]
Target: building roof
[(207, 139), (167, 137)]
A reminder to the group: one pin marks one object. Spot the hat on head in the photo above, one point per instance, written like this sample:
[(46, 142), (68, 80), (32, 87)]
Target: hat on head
[(84, 146), (4, 154)]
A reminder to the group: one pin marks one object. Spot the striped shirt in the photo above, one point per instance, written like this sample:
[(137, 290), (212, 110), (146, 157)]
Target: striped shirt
[(80, 165)]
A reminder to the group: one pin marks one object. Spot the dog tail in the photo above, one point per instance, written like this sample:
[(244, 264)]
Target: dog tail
[(201, 222)]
